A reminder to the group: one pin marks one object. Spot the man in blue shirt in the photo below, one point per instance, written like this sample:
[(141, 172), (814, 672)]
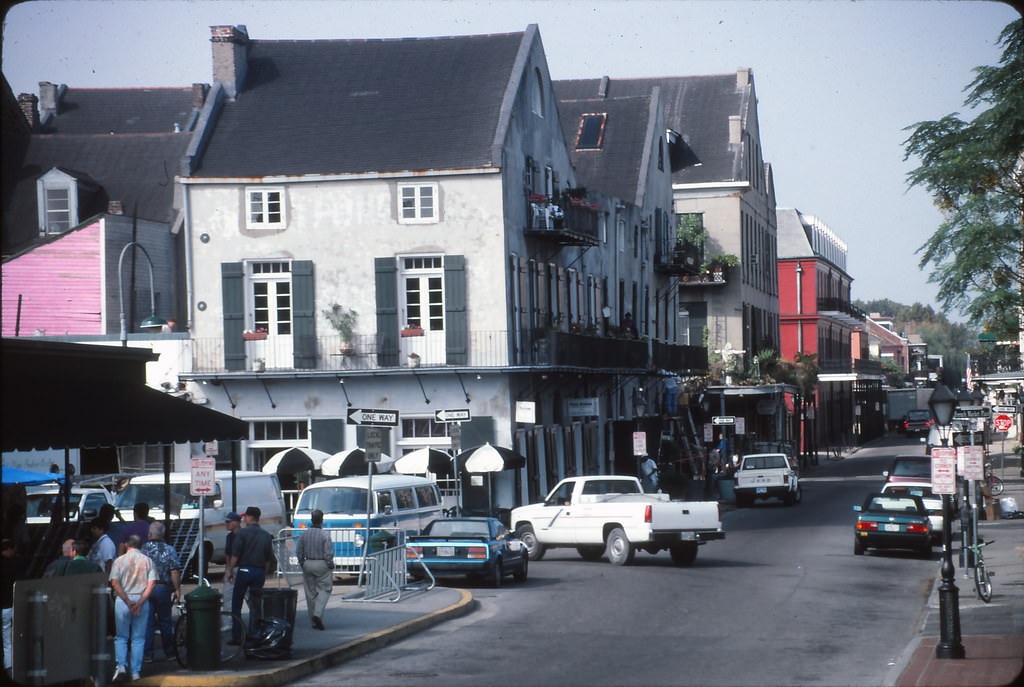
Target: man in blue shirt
[(252, 557)]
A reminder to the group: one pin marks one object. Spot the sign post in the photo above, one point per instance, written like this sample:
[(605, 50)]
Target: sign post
[(203, 483)]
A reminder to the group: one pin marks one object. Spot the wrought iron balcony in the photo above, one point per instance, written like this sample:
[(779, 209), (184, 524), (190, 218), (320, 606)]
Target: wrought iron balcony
[(841, 309), (567, 224)]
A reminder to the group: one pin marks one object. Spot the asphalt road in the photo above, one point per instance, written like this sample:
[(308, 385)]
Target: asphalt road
[(781, 601)]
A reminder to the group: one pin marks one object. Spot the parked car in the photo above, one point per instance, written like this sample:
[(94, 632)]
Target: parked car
[(916, 421), (767, 475), (85, 502), (932, 502), (892, 521), (915, 468), (478, 547)]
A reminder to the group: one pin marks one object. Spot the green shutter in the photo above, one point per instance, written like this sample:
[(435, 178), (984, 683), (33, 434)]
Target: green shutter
[(386, 280), (477, 432), (327, 435), (456, 329), (303, 315), (232, 280)]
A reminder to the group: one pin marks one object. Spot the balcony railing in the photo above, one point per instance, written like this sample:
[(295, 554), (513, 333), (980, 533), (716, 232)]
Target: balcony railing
[(565, 224), (858, 365), (479, 349), (841, 306)]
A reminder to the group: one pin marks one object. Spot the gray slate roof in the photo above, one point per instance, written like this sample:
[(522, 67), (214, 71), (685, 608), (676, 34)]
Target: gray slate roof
[(615, 168), (697, 107), (792, 236), (352, 106), (136, 169), (121, 111)]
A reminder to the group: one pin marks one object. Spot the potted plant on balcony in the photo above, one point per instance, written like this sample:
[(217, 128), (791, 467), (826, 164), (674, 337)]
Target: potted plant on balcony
[(413, 360), (716, 264), (344, 322), (257, 334)]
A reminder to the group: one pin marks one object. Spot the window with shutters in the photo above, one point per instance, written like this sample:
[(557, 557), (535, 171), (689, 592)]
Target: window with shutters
[(271, 297)]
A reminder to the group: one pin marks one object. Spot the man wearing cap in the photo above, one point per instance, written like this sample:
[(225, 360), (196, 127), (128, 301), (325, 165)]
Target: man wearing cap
[(233, 523), (252, 556)]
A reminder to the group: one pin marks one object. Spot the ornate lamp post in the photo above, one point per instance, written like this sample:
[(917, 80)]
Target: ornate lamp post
[(942, 404), (151, 322)]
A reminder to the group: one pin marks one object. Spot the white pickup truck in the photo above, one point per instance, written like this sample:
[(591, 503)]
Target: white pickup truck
[(764, 475), (611, 515)]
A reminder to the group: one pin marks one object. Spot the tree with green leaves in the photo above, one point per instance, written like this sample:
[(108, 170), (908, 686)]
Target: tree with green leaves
[(975, 172)]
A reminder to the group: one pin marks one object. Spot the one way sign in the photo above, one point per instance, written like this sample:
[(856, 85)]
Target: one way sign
[(373, 418), (452, 415)]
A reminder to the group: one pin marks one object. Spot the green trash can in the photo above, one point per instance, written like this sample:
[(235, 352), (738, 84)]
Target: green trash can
[(203, 643), (381, 540)]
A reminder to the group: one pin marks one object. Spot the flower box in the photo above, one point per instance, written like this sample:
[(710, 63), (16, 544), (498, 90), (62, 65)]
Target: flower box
[(412, 331), (254, 336)]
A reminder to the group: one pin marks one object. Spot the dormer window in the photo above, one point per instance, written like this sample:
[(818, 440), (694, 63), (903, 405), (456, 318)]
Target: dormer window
[(590, 134), (57, 201)]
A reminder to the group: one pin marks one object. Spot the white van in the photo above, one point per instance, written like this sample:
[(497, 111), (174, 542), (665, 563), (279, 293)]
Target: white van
[(254, 489), (403, 502)]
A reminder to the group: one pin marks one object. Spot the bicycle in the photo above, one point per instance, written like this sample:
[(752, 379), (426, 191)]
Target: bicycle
[(225, 623), (994, 484), (982, 577)]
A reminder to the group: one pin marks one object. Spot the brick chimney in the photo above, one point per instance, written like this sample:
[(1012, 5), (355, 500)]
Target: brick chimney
[(229, 57), (50, 95), (742, 77), (115, 207), (199, 91), (29, 104)]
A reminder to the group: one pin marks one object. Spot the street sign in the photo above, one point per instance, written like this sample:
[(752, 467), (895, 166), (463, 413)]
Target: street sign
[(526, 412), (723, 420), (1003, 423), (973, 462), (455, 434), (943, 471), (709, 433), (372, 418), (1009, 410), (204, 473), (582, 407), (741, 425), (458, 415), (967, 412), (639, 443), (373, 444)]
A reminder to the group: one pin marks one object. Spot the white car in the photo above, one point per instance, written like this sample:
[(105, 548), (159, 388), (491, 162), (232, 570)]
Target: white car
[(85, 502), (932, 502), (767, 475)]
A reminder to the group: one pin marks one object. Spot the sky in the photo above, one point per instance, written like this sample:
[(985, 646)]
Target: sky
[(837, 82)]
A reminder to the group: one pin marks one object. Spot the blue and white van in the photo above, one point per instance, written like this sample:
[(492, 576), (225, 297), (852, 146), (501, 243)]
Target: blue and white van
[(400, 502)]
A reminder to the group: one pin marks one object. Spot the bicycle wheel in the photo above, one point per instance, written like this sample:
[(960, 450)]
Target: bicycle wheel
[(181, 640), (230, 651), (982, 581), (995, 485)]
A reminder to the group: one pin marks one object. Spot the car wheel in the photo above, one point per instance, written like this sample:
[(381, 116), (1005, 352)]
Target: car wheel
[(520, 574), (533, 547), (497, 573), (619, 549), (590, 553), (858, 547), (684, 554)]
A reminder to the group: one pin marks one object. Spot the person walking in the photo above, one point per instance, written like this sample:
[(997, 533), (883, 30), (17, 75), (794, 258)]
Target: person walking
[(316, 558), (252, 556), (78, 564), (165, 592), (133, 577)]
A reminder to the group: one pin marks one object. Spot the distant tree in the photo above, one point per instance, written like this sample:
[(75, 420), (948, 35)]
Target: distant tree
[(975, 172)]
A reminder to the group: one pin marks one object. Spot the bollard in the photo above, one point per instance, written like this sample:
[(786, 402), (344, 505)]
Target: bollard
[(203, 644)]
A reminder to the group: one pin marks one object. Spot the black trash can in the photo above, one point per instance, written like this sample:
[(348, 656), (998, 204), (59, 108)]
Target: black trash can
[(276, 603)]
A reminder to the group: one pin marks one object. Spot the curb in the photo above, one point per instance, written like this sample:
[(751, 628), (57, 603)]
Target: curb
[(328, 658)]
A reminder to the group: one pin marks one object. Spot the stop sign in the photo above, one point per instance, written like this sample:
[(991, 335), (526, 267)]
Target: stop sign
[(1002, 423)]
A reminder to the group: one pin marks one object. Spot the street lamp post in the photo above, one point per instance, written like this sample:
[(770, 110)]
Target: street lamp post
[(151, 322), (942, 405)]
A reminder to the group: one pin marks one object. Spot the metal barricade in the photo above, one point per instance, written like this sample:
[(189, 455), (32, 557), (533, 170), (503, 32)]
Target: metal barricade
[(385, 575)]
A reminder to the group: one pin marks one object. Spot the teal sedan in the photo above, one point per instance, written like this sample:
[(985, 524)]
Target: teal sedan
[(892, 521)]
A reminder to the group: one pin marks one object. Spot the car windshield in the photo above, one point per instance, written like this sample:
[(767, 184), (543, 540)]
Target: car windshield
[(893, 504), (40, 505), (923, 492), (153, 496), (458, 528), (332, 500), (611, 486), (763, 462)]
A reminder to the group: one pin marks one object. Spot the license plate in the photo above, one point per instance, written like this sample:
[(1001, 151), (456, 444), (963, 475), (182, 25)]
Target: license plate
[(892, 528), (762, 490), (445, 551)]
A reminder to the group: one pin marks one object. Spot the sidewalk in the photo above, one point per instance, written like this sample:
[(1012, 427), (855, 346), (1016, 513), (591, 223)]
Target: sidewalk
[(354, 628), (993, 633)]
